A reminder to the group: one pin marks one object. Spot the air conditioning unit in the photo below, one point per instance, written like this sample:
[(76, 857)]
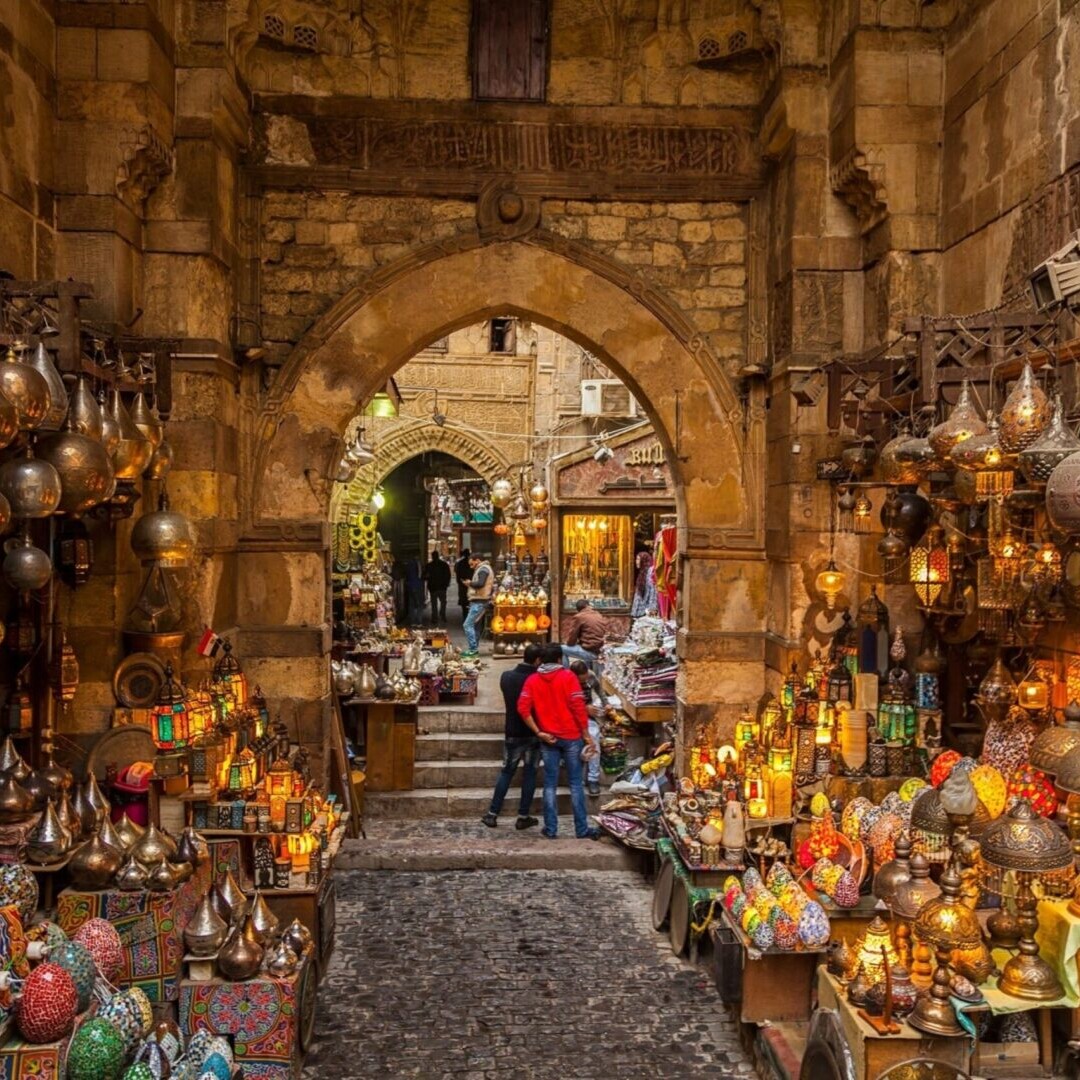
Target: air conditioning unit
[(606, 397)]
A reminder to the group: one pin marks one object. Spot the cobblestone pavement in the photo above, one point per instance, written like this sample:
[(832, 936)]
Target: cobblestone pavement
[(503, 973)]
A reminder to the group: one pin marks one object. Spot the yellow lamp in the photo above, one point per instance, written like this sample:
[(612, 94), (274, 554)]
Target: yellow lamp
[(830, 583), (228, 673), (1033, 693), (991, 789), (868, 948), (747, 730), (929, 566)]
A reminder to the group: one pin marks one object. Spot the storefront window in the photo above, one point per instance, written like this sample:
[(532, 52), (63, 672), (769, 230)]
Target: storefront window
[(597, 554)]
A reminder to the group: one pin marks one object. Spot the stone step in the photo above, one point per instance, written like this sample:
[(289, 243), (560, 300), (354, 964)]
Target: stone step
[(459, 746), (427, 803), (454, 844), (438, 719), (465, 774)]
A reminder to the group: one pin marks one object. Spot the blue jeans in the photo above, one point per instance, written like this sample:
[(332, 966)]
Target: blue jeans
[(477, 608), (592, 772), (527, 751), (576, 652), (568, 753)]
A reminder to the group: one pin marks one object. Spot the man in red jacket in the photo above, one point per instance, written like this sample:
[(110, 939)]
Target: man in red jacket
[(554, 700)]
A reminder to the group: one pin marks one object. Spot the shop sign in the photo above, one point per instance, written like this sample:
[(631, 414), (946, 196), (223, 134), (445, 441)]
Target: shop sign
[(637, 471)]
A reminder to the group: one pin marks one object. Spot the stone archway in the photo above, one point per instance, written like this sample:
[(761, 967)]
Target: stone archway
[(713, 438), (402, 443)]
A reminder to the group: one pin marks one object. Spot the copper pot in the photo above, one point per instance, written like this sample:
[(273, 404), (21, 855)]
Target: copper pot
[(241, 956)]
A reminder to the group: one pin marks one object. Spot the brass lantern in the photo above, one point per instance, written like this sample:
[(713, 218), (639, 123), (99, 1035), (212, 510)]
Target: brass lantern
[(502, 491), (963, 423), (230, 675), (830, 583), (930, 566), (985, 456), (1053, 446), (1025, 413)]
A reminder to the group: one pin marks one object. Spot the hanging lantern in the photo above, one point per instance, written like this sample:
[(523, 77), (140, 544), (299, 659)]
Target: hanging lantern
[(1025, 413), (840, 682), (863, 509), (539, 523), (521, 509), (228, 672), (501, 529), (168, 718), (1009, 555), (200, 713), (984, 456), (963, 423), (747, 730), (538, 496), (1047, 563), (845, 511), (502, 491), (1053, 446), (929, 568), (1033, 693), (830, 583), (519, 535)]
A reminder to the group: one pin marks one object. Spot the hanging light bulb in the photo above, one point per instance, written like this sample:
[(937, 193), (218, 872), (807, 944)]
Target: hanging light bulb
[(830, 583)]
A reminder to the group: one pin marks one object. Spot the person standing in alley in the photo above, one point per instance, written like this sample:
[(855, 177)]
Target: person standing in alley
[(594, 706), (414, 591), (481, 585), (521, 743), (554, 699), (437, 579), (461, 575)]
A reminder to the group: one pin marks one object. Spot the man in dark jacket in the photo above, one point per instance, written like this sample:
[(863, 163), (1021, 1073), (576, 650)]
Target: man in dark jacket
[(462, 573), (521, 743), (553, 698), (437, 578)]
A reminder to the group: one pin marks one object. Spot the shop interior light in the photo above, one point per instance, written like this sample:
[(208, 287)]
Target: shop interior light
[(378, 499), (830, 583)]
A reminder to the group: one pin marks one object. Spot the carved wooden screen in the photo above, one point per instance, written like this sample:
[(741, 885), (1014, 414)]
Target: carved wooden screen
[(509, 49)]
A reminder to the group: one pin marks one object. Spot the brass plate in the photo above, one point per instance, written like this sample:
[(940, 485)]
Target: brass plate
[(138, 680)]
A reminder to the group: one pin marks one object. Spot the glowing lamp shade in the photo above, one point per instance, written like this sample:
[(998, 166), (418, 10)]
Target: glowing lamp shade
[(382, 404), (279, 778), (830, 583), (169, 717), (378, 499), (229, 674), (868, 946), (929, 566), (1033, 693), (781, 759), (200, 712), (770, 714), (839, 686)]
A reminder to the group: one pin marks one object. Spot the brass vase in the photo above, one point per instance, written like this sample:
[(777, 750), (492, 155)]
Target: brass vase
[(48, 841), (206, 931), (234, 896), (11, 761), (263, 921), (153, 846), (16, 803), (94, 864), (192, 848), (241, 956), (128, 831), (132, 875)]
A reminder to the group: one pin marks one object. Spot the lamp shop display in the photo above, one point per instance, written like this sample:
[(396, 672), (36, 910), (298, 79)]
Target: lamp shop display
[(83, 445)]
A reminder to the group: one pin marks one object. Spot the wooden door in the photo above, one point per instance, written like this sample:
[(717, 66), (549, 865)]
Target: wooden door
[(509, 49)]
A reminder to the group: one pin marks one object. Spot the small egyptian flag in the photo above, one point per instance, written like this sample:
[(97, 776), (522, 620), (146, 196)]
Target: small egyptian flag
[(209, 643)]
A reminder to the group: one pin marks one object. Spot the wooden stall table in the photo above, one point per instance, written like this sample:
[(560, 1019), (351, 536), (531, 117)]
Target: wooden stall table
[(150, 925), (640, 714), (871, 1053), (389, 741), (270, 1020), (316, 908)]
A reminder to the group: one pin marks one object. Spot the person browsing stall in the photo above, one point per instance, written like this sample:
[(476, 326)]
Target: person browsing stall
[(587, 634)]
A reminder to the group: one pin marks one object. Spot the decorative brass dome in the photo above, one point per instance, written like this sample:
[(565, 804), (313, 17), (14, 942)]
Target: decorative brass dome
[(1022, 840), (163, 537)]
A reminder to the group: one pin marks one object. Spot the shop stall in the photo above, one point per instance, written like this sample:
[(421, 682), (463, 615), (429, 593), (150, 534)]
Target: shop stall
[(610, 508)]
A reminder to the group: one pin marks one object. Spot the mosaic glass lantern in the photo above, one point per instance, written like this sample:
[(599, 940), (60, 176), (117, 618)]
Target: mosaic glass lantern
[(200, 713), (929, 568), (1047, 563), (242, 771), (228, 673), (169, 717), (770, 715), (840, 682), (1025, 414), (868, 949), (747, 730)]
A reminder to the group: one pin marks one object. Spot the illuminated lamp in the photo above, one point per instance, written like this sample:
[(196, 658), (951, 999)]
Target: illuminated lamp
[(963, 423), (279, 777), (242, 772), (868, 949), (991, 789), (300, 848), (830, 583), (929, 566), (382, 404), (1033, 693), (747, 730), (200, 712), (770, 716), (861, 513), (1047, 563), (983, 456), (229, 674), (169, 718)]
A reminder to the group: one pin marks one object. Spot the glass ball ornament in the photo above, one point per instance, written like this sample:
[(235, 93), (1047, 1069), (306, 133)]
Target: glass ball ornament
[(48, 1004), (97, 1052)]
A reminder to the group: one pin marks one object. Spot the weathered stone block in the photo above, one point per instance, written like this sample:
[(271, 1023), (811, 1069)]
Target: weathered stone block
[(606, 228), (310, 232), (695, 232)]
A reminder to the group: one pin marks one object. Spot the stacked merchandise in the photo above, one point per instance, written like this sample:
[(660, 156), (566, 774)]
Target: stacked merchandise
[(643, 669)]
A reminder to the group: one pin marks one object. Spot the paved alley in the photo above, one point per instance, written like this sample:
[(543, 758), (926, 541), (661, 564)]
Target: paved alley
[(509, 973)]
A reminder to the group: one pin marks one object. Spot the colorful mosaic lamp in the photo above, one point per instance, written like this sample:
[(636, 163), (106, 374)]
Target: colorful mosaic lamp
[(169, 717), (242, 771), (929, 568)]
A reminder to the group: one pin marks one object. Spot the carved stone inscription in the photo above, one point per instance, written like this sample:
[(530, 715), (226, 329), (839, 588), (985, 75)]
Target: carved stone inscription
[(368, 143)]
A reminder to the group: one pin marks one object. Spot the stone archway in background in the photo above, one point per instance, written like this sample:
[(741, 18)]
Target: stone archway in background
[(713, 438), (410, 440)]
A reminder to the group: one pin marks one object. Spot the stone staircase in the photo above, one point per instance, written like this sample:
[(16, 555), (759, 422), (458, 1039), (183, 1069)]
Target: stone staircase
[(458, 756)]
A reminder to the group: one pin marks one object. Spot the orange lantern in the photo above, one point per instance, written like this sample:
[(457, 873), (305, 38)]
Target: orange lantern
[(543, 622), (530, 623), (510, 624), (497, 624)]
